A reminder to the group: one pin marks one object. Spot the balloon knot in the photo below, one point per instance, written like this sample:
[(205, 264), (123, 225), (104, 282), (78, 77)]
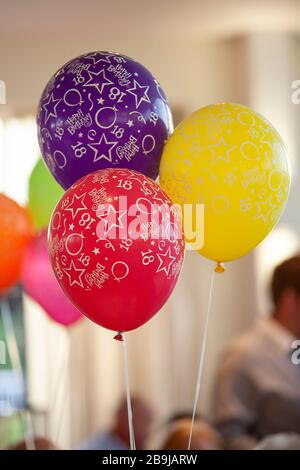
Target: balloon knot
[(119, 337), (219, 268)]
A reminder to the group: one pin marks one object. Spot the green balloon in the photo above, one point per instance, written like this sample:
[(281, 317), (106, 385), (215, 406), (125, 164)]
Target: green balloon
[(44, 193)]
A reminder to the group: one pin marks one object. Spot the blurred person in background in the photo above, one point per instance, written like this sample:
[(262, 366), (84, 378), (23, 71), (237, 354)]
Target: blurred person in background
[(282, 441), (204, 437), (184, 414), (118, 437), (163, 429), (258, 383)]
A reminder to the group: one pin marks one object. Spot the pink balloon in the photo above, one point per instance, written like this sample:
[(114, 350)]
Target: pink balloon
[(40, 283)]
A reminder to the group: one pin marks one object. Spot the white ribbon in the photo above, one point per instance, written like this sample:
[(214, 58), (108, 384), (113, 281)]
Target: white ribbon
[(202, 356)]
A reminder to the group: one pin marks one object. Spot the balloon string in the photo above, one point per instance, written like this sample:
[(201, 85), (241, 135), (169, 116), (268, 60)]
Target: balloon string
[(13, 350), (127, 386), (26, 417), (202, 357), (58, 380), (62, 379)]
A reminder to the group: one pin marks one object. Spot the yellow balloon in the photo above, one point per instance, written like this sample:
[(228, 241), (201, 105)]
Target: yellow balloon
[(232, 161)]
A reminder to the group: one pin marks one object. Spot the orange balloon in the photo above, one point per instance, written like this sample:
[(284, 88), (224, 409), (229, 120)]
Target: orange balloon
[(16, 230)]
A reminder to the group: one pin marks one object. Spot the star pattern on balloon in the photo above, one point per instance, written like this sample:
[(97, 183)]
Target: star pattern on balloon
[(146, 186), (221, 151), (50, 107), (140, 93), (264, 209), (74, 274), (111, 218), (103, 149), (165, 261), (96, 58), (74, 207), (157, 197), (98, 80)]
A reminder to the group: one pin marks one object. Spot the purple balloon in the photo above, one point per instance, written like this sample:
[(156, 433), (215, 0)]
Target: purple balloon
[(102, 110), (40, 283)]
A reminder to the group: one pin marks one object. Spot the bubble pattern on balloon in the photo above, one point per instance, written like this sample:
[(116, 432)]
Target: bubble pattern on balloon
[(102, 110), (116, 247), (232, 160)]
